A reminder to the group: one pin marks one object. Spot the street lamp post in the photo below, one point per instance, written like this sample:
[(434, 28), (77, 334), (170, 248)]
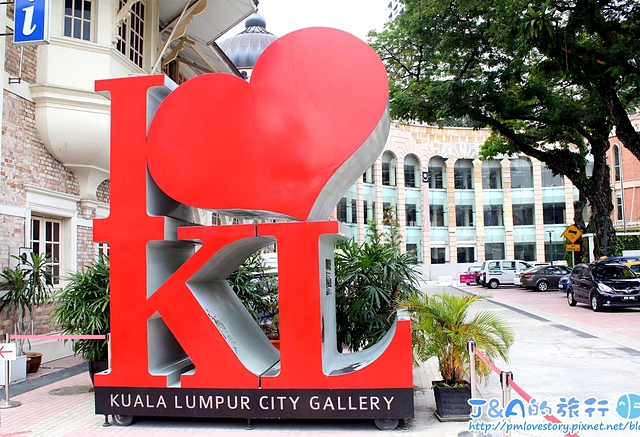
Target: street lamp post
[(550, 246)]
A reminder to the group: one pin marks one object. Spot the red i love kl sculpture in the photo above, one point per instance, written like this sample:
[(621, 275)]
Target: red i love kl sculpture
[(286, 145)]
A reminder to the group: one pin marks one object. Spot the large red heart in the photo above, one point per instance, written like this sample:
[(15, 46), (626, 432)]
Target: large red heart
[(290, 142)]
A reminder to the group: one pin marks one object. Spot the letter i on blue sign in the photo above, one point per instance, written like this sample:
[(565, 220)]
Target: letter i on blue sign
[(31, 22)]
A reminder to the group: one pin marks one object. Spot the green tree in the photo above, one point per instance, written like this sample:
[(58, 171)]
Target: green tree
[(522, 69), (370, 279)]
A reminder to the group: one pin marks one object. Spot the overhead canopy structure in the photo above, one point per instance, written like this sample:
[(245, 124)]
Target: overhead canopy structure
[(189, 29)]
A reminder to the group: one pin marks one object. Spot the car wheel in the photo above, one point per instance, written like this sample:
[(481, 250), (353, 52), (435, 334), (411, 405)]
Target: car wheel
[(595, 303), (542, 286), (570, 299), (493, 284)]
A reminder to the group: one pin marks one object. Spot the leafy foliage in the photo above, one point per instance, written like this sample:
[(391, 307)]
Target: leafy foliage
[(82, 307), (258, 291), (442, 328), (370, 279), (28, 285), (549, 79), (627, 242)]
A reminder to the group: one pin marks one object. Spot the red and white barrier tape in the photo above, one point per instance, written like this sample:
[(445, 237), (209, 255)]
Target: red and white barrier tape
[(57, 337), (527, 398)]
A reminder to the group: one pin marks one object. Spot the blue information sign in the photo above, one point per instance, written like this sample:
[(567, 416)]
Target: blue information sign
[(31, 22)]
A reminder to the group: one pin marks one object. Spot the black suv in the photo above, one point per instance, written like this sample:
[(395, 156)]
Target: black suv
[(603, 285)]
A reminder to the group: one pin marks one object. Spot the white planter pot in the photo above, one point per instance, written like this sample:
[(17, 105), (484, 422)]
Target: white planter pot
[(17, 370)]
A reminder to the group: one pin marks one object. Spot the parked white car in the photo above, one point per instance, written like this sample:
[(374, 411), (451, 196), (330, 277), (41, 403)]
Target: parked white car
[(500, 272)]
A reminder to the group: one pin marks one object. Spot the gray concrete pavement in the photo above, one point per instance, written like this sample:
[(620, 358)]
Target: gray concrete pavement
[(558, 354)]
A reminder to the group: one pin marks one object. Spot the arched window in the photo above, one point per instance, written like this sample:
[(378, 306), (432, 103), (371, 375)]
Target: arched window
[(463, 174), (521, 173), (616, 163), (411, 171), (437, 174), (491, 175), (388, 169)]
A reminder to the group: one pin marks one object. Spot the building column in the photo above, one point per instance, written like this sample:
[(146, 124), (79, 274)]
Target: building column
[(451, 207), (479, 209), (508, 208)]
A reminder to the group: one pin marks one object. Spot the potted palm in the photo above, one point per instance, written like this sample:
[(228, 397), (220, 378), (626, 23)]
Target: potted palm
[(442, 328), (82, 307), (26, 286)]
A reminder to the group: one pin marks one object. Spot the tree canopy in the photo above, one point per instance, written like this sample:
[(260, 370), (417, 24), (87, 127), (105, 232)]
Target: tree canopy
[(550, 79)]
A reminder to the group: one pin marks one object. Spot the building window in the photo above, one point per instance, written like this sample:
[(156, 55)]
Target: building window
[(493, 251), (411, 214), (436, 214), (438, 255), (388, 212), (367, 176), (521, 173), (553, 213), (45, 240), (525, 251), (493, 215), (341, 210), (491, 175), (619, 209), (411, 168), (554, 251), (412, 250), (369, 211), (77, 19), (354, 211), (388, 169), (549, 180), (216, 218), (463, 174), (130, 37), (409, 176), (386, 179), (523, 214), (103, 249), (464, 215), (466, 254), (616, 163), (436, 173)]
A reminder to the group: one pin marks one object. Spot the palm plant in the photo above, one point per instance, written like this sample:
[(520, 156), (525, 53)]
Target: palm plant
[(370, 280), (27, 286), (443, 327), (82, 307), (258, 291)]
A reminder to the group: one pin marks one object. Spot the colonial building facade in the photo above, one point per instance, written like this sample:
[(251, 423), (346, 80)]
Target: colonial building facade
[(625, 177), (54, 149), (455, 208)]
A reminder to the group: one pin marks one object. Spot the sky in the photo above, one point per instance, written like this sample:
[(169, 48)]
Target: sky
[(354, 16)]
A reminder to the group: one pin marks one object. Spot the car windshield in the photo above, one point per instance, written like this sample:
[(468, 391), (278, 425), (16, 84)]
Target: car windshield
[(608, 271)]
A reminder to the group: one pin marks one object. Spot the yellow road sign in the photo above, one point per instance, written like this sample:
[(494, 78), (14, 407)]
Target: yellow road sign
[(573, 247), (572, 233)]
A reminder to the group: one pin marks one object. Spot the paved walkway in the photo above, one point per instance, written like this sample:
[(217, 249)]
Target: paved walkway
[(555, 356)]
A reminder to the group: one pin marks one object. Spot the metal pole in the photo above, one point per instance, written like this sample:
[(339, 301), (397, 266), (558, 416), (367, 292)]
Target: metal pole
[(472, 366), (7, 402), (506, 390), (550, 247), (109, 350)]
